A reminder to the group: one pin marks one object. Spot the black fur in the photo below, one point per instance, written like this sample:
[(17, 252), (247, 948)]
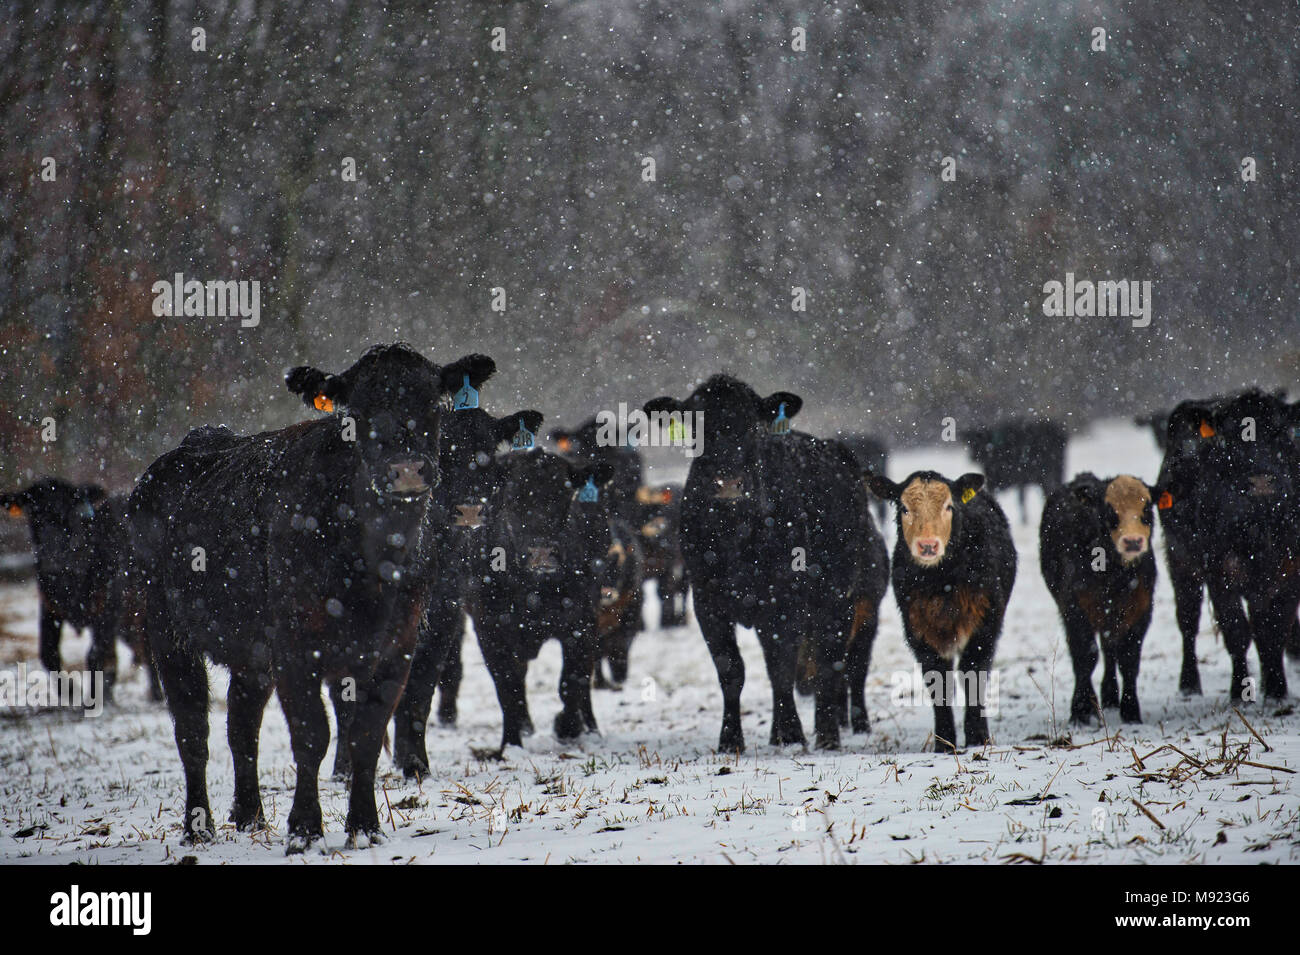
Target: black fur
[(1090, 581), (778, 493), (1020, 452), (981, 559), (318, 555)]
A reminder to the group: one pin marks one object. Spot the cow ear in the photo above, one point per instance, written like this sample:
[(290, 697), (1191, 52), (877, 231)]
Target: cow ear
[(881, 486), (508, 426), (561, 439), (662, 405), (478, 368), (318, 389), (967, 486), (1189, 421), (771, 406)]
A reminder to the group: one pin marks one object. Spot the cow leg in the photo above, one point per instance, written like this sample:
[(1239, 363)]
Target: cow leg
[(1187, 609), (245, 704), (575, 688), (720, 637), (409, 752), (858, 664), (621, 646), (668, 597), (51, 629), (309, 734), (1109, 679), (830, 696), (508, 678), (102, 657), (453, 669), (936, 672), (1236, 637), (343, 713), (185, 682), (976, 662), (376, 700), (1082, 643), (1130, 657), (781, 656), (1293, 638), (1272, 625)]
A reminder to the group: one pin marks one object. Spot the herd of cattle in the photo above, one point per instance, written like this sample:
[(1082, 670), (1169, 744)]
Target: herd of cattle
[(346, 550)]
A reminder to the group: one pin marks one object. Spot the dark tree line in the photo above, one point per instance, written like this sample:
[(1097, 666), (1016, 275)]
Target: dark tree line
[(524, 170)]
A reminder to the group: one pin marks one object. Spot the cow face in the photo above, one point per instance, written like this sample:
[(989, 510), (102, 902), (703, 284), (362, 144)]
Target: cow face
[(580, 442), (396, 397), (54, 509), (929, 510), (731, 410), (470, 441), (1124, 509), (544, 519)]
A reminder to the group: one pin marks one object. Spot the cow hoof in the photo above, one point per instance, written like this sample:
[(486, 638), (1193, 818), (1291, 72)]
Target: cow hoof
[(1130, 715), (731, 742), (198, 837), (299, 842), (568, 728), (373, 838), (247, 820), (828, 742), (447, 719)]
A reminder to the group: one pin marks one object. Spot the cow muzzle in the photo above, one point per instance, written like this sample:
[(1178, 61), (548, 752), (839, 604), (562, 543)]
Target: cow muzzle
[(406, 480), (1133, 547), (927, 550)]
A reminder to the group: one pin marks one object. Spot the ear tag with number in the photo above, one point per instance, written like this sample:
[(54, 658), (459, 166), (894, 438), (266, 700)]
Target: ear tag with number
[(589, 493), (523, 439), (323, 403), (967, 495), (782, 424), (466, 398)]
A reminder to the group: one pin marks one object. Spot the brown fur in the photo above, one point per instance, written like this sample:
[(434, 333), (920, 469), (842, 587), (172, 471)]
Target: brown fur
[(926, 514), (1128, 498), (947, 623), (1112, 620)]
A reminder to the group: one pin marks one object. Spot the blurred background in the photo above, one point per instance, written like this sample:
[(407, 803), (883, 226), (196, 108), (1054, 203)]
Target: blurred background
[(523, 169)]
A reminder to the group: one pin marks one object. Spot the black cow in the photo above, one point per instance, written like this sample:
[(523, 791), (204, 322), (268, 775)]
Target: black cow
[(953, 569), (462, 503), (81, 545), (292, 557), (775, 533), (873, 457), (1018, 452), (1231, 512), (547, 554), (620, 620), (1095, 554), (660, 525)]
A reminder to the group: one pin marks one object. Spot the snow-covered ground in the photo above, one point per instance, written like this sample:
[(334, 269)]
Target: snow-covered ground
[(1192, 784)]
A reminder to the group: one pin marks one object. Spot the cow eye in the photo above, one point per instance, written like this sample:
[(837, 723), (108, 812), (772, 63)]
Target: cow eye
[(949, 507)]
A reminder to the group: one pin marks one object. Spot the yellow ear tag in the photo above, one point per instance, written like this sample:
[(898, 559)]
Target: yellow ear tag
[(1207, 431), (15, 510), (967, 494), (676, 431), (323, 404)]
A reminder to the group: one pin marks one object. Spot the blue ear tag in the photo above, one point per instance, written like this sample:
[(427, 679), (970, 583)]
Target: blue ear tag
[(589, 493), (466, 398), (782, 424), (523, 439)]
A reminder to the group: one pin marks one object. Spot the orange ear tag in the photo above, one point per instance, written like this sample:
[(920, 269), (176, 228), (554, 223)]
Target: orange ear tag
[(1166, 501), (15, 510), (323, 404), (1206, 430)]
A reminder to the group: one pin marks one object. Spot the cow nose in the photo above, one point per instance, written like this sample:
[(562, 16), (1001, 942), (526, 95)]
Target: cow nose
[(407, 477), (1134, 545), (928, 546)]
